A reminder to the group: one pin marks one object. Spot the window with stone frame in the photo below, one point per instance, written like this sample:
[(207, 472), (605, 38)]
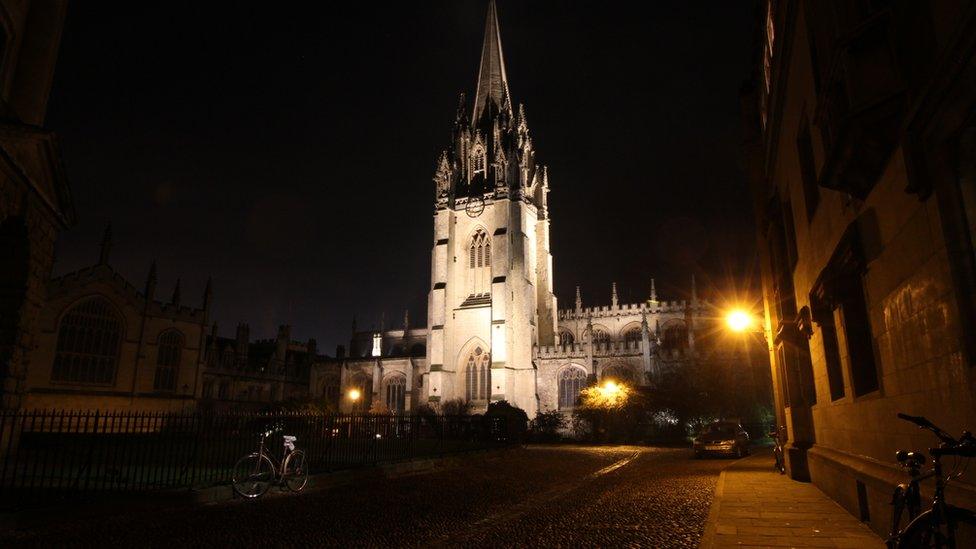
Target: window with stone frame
[(674, 340), (478, 160), (87, 349), (208, 388), (633, 337), (169, 349), (572, 380), (477, 376), (566, 337), (839, 307), (396, 393), (600, 336), (479, 261)]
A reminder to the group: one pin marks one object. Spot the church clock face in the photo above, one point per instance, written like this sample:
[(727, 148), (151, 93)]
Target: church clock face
[(474, 207)]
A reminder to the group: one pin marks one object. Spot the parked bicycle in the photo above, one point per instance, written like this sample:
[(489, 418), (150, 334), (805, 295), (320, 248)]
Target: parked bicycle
[(942, 525), (780, 463), (255, 473)]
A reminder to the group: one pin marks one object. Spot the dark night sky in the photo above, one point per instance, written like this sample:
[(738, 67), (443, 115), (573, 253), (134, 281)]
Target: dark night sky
[(289, 152)]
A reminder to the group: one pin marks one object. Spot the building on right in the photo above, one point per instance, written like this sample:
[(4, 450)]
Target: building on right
[(860, 139)]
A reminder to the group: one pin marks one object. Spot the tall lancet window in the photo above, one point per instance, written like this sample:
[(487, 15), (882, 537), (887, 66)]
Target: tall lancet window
[(479, 262), (477, 376), (478, 161)]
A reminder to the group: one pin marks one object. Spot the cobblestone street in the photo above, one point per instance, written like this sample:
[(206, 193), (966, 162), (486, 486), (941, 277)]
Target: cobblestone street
[(552, 496)]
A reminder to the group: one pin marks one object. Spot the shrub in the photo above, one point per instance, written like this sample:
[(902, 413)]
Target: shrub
[(516, 420), (546, 425), (455, 407)]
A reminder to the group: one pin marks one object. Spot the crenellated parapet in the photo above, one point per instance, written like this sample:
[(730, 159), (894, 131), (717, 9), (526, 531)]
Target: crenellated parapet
[(622, 309), (579, 350)]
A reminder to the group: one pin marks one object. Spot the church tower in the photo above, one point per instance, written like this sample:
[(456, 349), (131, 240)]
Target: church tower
[(491, 297)]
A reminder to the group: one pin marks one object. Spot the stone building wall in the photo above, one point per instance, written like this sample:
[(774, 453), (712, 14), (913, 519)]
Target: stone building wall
[(865, 221), (35, 202), (143, 321)]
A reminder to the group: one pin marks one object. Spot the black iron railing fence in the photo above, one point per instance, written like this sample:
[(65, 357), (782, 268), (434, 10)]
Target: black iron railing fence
[(53, 454)]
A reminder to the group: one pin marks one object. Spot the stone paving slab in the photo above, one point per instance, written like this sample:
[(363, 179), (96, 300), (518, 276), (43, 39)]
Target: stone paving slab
[(754, 506)]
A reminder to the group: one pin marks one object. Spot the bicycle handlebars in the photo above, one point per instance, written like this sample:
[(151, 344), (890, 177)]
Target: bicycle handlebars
[(924, 423)]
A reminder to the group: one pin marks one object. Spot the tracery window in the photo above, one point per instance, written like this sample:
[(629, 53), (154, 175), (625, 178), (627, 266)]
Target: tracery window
[(571, 382), (633, 337), (566, 337), (396, 393), (478, 161), (479, 261), (600, 336), (675, 340), (88, 343), (477, 375), (168, 352), (479, 251)]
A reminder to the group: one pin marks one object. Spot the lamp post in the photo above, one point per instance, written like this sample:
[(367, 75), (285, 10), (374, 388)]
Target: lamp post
[(741, 321)]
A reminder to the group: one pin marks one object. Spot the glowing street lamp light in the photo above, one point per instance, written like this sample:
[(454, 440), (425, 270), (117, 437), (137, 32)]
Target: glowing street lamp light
[(739, 320), (610, 389), (354, 394)]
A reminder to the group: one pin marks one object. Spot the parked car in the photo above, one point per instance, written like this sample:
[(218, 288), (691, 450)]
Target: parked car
[(722, 438)]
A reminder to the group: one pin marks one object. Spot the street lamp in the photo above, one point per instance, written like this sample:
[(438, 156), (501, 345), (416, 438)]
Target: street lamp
[(354, 395), (739, 320)]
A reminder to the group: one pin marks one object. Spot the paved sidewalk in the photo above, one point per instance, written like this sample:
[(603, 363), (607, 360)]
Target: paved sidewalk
[(754, 506)]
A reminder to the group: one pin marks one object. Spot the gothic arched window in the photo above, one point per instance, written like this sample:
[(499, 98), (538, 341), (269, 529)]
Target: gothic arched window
[(477, 376), (479, 261), (396, 393), (479, 251), (571, 382), (566, 337), (168, 351), (600, 335), (632, 337), (675, 340), (88, 343), (478, 160)]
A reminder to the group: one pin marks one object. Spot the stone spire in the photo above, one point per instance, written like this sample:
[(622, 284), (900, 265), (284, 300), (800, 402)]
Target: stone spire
[(653, 291), (406, 321), (176, 293), (613, 295), (492, 81), (151, 282), (208, 294), (579, 300), (106, 245)]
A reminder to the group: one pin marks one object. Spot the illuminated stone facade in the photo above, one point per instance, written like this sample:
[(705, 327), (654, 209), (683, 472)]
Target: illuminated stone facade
[(861, 141), (493, 329)]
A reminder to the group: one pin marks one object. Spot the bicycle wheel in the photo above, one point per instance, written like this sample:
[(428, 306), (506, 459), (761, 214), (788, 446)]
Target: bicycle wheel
[(295, 471), (253, 475), (778, 465), (959, 530)]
